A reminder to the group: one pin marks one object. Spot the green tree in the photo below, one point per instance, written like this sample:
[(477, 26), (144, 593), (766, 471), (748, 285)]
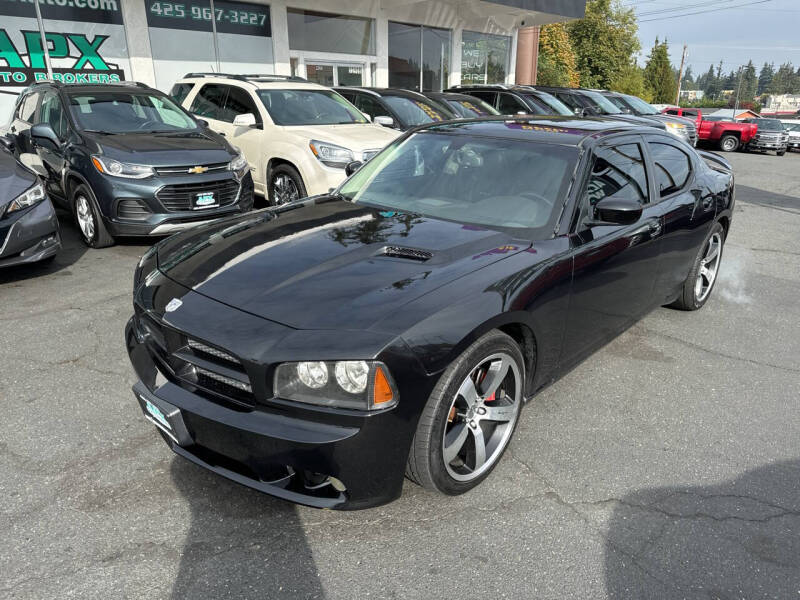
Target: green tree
[(605, 42), (630, 80), (688, 83), (556, 57), (748, 86), (765, 77), (659, 75), (711, 86)]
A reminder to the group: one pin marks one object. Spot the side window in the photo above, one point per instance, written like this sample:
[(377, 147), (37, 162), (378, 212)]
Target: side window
[(370, 106), (509, 105), (179, 91), (672, 111), (239, 102), (618, 172), (210, 101), (52, 113), (27, 107), (568, 99), (672, 167), (488, 97)]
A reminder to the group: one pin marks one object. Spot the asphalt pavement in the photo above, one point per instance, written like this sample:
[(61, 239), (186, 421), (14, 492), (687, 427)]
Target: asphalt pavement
[(665, 466)]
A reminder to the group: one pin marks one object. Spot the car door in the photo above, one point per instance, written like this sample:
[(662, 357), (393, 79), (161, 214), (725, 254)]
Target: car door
[(23, 121), (688, 210), (51, 112), (248, 138), (209, 104), (614, 266)]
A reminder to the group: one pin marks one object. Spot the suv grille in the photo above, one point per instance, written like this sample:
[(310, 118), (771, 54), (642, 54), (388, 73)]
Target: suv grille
[(185, 170), (179, 196), (196, 366)]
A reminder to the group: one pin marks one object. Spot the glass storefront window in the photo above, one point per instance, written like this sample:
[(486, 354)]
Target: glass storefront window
[(419, 57), (323, 32), (484, 57)]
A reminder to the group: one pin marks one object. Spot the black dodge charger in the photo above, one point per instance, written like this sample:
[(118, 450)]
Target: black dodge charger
[(323, 350)]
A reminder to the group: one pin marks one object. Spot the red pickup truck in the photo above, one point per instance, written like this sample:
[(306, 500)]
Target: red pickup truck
[(726, 134)]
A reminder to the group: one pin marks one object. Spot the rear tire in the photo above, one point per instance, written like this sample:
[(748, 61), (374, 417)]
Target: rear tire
[(728, 143), (88, 218), (470, 417), (780, 152), (284, 185), (705, 271)]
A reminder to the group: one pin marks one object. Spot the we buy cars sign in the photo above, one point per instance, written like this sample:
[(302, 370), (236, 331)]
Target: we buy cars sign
[(85, 40)]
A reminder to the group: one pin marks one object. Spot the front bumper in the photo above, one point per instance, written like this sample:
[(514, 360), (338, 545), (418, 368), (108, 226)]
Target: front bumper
[(29, 237), (756, 144), (320, 457)]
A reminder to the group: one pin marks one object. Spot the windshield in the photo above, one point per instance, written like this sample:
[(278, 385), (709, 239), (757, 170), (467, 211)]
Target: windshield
[(415, 112), (554, 103), (498, 183), (128, 112), (469, 107), (639, 106), (605, 106), (309, 107), (791, 126), (767, 124)]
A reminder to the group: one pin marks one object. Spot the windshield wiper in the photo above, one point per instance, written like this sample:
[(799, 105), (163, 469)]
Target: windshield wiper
[(101, 131)]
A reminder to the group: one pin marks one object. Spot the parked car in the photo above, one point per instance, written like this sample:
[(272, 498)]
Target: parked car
[(462, 105), (515, 99), (771, 135), (680, 127), (793, 129), (28, 223), (395, 108), (694, 114), (726, 135), (320, 351), (589, 103), (297, 136), (127, 160)]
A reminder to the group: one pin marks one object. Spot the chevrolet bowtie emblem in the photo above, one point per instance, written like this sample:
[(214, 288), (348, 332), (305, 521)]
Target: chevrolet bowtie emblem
[(198, 169)]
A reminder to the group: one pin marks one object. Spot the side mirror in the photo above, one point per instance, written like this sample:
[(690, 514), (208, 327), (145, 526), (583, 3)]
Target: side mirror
[(352, 167), (616, 211), (7, 143), (384, 120), (244, 120), (43, 135), (202, 122), (579, 112)]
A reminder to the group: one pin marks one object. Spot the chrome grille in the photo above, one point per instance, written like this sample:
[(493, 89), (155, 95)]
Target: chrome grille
[(178, 197), (187, 169)]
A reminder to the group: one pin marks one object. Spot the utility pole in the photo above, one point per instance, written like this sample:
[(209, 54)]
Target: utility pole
[(738, 89), (680, 77)]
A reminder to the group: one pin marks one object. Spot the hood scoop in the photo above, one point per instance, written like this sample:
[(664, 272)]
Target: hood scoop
[(406, 252)]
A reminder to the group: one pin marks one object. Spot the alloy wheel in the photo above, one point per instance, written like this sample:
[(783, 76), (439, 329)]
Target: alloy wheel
[(85, 216), (709, 266), (284, 189), (482, 416), (729, 144)]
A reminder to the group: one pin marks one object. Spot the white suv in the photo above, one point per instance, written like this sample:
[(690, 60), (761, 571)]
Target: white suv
[(297, 136)]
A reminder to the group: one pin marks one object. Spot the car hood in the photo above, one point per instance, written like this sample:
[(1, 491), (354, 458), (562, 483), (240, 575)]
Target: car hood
[(638, 120), (358, 137), (668, 119), (14, 178), (325, 263), (164, 149)]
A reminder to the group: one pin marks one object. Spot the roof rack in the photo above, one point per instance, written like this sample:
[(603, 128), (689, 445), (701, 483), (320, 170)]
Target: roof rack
[(47, 82), (250, 77), (499, 86), (132, 83)]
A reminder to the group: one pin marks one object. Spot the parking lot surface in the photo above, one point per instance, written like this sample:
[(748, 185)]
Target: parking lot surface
[(665, 466)]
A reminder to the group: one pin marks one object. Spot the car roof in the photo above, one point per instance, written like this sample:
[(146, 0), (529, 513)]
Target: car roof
[(383, 91), (552, 129), (256, 83), (125, 86)]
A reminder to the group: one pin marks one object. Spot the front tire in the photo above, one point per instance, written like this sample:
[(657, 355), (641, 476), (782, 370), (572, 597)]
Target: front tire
[(470, 417), (728, 143), (88, 218), (284, 185), (698, 285), (780, 152)]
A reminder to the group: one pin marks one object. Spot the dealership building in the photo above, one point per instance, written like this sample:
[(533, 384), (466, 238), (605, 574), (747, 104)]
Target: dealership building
[(427, 44)]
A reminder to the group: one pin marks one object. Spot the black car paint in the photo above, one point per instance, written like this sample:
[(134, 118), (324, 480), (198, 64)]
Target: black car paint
[(69, 164), (352, 95), (561, 297), (31, 234)]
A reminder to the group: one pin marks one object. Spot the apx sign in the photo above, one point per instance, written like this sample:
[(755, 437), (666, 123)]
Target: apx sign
[(75, 58)]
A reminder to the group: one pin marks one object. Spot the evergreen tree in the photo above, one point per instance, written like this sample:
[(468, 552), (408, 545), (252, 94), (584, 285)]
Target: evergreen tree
[(688, 83), (749, 84), (659, 75), (712, 84), (765, 77)]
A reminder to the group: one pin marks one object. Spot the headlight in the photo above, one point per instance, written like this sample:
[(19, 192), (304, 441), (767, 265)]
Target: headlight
[(331, 155), (112, 167), (359, 384), (678, 129), (29, 197)]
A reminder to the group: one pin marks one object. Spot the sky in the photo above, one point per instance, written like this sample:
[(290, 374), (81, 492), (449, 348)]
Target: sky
[(767, 31)]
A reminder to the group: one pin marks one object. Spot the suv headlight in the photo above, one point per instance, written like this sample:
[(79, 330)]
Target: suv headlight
[(331, 155), (109, 166), (678, 129), (29, 197), (359, 384)]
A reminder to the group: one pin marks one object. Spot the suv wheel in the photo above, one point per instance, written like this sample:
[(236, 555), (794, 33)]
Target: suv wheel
[(87, 216), (285, 185)]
